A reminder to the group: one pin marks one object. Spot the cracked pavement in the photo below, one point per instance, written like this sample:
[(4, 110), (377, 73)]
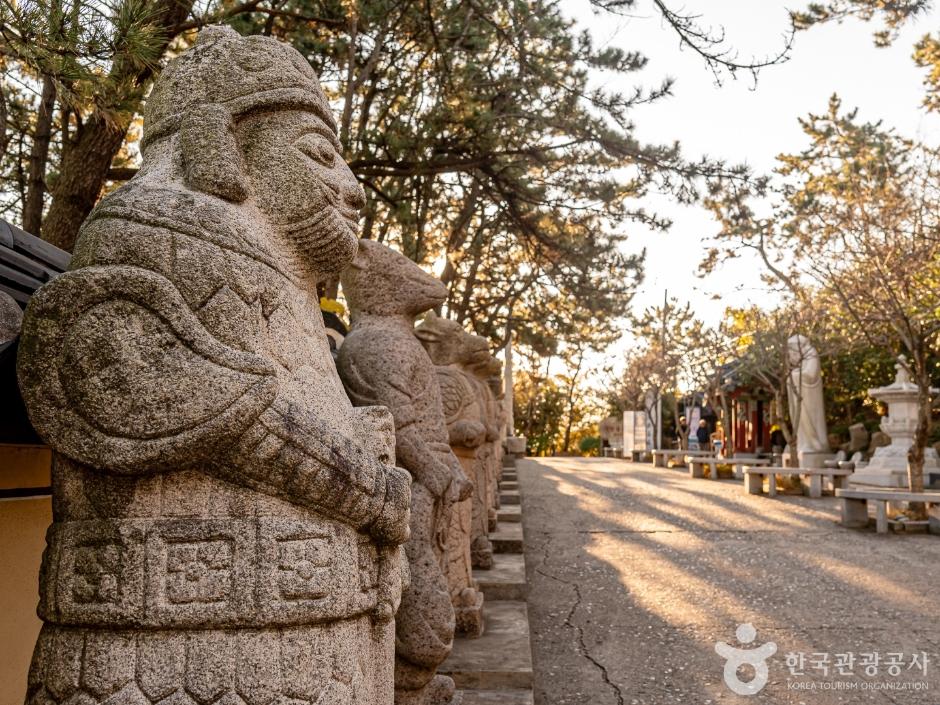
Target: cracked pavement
[(635, 573)]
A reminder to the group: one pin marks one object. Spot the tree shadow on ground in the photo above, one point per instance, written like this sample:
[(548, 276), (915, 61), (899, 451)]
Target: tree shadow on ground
[(636, 572)]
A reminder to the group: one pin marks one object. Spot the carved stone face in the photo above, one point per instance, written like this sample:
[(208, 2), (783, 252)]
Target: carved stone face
[(492, 372), (449, 344), (384, 282), (490, 368), (301, 183)]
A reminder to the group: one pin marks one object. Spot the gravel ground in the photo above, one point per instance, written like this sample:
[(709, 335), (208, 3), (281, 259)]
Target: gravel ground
[(636, 573)]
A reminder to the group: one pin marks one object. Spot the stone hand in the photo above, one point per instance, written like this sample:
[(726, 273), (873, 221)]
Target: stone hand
[(392, 526), (467, 433), (492, 433), (434, 475), (293, 455), (461, 485)]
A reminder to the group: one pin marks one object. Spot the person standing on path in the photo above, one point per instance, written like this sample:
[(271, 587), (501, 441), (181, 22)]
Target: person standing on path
[(682, 433), (702, 435)]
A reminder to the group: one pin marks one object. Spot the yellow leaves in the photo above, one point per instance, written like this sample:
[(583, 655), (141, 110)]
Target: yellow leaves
[(737, 319), (350, 9), (927, 55), (741, 325)]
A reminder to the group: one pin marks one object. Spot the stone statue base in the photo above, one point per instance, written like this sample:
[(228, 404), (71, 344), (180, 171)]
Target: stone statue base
[(481, 553), (809, 459), (439, 691), (466, 599), (468, 613), (879, 478), (343, 663), (515, 446), (462, 558), (888, 468), (474, 537)]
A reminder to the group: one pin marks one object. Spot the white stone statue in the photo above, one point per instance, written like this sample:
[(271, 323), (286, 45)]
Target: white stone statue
[(805, 393)]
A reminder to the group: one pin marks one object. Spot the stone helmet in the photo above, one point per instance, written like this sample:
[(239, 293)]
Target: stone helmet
[(201, 94)]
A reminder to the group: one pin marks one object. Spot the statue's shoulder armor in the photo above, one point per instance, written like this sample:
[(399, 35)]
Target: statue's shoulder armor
[(118, 373), (162, 228), (200, 244)]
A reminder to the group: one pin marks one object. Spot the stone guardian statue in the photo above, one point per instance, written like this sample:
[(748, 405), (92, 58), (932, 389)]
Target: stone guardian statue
[(382, 362), (466, 438), (805, 393), (226, 524), (493, 378), (458, 355)]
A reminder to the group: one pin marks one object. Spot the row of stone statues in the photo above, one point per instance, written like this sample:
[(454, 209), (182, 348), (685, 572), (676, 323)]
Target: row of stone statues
[(236, 518)]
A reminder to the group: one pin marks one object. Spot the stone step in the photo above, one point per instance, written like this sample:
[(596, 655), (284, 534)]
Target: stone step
[(509, 475), (509, 497), (501, 658), (504, 581), (507, 538), (513, 696), (505, 485), (511, 513)]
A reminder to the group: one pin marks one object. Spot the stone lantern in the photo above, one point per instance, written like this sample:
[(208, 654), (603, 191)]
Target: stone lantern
[(888, 466)]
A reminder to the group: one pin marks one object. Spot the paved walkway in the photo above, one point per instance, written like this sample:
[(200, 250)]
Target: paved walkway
[(636, 572)]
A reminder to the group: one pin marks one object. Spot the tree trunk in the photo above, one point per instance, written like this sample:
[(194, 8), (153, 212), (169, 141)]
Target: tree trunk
[(915, 454), (4, 134), (783, 420), (775, 420), (462, 313), (654, 414), (726, 427), (330, 287), (87, 157), (569, 402), (85, 164), (793, 435), (38, 158), (675, 417), (459, 232)]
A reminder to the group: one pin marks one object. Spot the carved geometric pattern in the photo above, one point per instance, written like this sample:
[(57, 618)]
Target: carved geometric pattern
[(303, 568), (97, 573), (199, 571)]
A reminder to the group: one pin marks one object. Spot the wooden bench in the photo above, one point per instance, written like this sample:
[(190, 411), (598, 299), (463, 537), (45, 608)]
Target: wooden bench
[(810, 478), (661, 455), (697, 464), (855, 505)]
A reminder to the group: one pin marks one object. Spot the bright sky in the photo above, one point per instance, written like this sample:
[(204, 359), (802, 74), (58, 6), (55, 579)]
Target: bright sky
[(743, 123)]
